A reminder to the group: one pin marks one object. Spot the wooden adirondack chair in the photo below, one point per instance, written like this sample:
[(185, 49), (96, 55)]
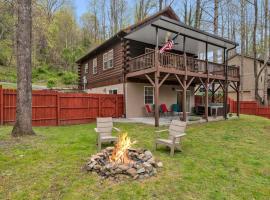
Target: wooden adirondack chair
[(176, 132), (104, 131)]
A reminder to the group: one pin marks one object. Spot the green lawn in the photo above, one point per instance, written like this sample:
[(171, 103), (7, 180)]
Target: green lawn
[(221, 160)]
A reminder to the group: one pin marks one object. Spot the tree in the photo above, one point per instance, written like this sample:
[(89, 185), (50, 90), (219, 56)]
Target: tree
[(257, 96), (242, 47), (197, 14), (23, 123), (143, 8), (266, 53)]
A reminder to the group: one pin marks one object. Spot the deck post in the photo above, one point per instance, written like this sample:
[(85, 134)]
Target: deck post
[(184, 100), (238, 99), (156, 100), (213, 92), (206, 100)]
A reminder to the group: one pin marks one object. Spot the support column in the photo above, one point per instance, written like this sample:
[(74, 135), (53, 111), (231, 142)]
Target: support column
[(184, 100), (206, 100), (213, 92), (238, 99), (156, 100)]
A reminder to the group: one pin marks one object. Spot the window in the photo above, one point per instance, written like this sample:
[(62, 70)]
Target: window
[(95, 66), (148, 95), (86, 68), (108, 60), (112, 91)]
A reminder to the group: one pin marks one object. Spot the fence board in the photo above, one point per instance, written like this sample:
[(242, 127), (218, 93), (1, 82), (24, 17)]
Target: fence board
[(51, 108), (250, 108)]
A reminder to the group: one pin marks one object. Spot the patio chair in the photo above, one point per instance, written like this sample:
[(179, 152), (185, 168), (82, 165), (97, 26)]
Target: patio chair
[(149, 111), (104, 131), (176, 108), (164, 110), (176, 132)]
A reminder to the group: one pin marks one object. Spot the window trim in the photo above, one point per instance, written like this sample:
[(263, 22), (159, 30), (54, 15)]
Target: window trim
[(112, 89), (144, 95), (86, 64), (96, 69), (106, 54)]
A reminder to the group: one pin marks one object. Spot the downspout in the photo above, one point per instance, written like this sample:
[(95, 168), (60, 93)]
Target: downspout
[(226, 80)]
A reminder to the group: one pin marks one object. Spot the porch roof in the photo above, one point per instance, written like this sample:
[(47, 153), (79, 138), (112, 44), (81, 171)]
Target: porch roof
[(195, 39)]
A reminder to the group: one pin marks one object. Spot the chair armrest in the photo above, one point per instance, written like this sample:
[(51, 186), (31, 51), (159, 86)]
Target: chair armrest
[(117, 129), (179, 135), (159, 131)]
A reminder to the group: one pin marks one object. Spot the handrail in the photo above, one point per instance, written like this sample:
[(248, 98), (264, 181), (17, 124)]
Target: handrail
[(177, 61)]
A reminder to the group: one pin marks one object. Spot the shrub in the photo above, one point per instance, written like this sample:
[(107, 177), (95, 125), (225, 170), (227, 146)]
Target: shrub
[(69, 78), (51, 83)]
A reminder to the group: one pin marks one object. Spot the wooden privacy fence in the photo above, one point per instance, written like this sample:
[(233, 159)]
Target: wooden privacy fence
[(250, 108), (51, 108)]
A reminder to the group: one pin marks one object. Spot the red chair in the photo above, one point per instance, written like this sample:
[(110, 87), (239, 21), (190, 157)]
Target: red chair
[(164, 109), (148, 110)]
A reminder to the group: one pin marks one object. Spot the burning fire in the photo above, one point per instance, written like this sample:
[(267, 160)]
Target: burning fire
[(120, 151)]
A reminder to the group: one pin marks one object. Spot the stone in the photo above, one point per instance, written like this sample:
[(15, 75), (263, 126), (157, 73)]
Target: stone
[(148, 153), (141, 170), (132, 172), (151, 161), (109, 148), (159, 164), (97, 167), (147, 165), (123, 167)]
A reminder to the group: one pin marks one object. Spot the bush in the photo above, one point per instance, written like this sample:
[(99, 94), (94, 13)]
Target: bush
[(69, 78), (51, 83)]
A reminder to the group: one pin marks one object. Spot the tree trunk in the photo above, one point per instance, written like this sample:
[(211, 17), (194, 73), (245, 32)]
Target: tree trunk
[(197, 13), (242, 47), (160, 4), (23, 123), (215, 23), (265, 96), (255, 51)]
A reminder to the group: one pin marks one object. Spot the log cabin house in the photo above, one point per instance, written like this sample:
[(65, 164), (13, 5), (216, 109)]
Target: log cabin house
[(130, 63)]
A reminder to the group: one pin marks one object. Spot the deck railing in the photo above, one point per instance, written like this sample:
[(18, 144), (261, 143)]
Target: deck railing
[(176, 61)]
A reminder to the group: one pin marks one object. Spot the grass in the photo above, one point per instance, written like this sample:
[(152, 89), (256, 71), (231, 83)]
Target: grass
[(221, 160)]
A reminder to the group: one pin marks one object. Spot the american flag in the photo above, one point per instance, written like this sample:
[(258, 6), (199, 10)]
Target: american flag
[(168, 46)]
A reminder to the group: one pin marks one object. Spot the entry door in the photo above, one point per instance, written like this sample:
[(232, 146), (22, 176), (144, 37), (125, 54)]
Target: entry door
[(180, 99)]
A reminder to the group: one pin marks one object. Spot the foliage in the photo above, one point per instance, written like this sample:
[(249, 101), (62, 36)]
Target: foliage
[(51, 83), (220, 160), (69, 78)]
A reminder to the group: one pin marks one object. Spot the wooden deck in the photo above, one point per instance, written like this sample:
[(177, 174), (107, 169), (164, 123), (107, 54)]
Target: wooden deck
[(175, 63)]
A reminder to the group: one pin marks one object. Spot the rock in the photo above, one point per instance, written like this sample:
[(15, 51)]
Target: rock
[(141, 170), (148, 154), (147, 165), (123, 167), (151, 161), (132, 172), (135, 177), (159, 164), (109, 148), (97, 167)]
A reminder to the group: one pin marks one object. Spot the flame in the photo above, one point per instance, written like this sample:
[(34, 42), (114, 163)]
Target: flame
[(120, 151)]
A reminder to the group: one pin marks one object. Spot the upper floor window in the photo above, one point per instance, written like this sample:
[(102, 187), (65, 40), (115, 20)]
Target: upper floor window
[(86, 68), (108, 60), (95, 66)]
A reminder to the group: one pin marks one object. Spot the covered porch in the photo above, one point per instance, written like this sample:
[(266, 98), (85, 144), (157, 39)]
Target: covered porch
[(196, 62)]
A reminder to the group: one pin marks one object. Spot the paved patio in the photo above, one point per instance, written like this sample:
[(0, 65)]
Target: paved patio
[(166, 120)]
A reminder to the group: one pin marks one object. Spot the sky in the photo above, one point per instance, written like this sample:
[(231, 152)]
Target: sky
[(80, 7)]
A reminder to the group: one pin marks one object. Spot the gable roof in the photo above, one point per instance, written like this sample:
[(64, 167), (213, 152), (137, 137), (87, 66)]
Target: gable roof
[(168, 12), (248, 57)]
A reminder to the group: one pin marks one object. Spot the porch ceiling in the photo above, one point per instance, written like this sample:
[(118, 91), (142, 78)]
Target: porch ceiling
[(168, 28)]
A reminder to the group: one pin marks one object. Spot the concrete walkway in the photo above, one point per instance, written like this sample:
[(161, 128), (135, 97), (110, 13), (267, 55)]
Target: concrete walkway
[(163, 121)]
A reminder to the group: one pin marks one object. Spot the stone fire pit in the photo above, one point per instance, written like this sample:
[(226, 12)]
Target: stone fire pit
[(142, 164), (122, 160)]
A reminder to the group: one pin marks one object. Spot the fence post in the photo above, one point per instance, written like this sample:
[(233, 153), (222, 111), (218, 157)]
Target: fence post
[(1, 105), (58, 108)]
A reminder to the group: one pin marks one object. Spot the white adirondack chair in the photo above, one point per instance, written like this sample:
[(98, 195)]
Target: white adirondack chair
[(104, 131), (176, 132)]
